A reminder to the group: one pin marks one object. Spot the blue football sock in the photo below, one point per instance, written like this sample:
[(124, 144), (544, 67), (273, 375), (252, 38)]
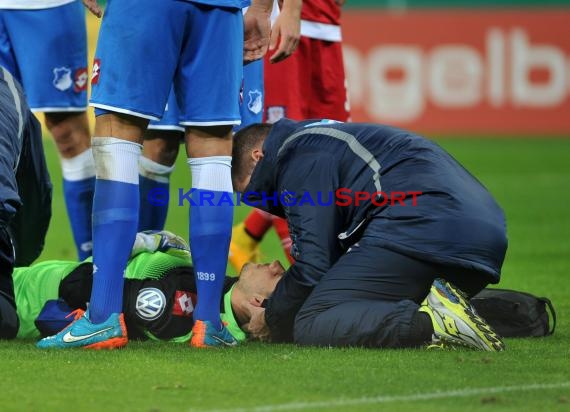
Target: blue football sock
[(154, 204), (210, 232), (79, 201), (78, 187), (154, 194), (115, 221)]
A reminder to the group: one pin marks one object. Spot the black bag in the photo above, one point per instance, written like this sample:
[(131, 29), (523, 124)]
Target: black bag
[(515, 314)]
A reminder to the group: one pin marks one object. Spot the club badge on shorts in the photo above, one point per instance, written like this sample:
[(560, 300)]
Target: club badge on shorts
[(62, 78), (275, 113)]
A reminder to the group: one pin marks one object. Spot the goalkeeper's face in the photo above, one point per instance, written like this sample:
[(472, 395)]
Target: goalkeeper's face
[(261, 279)]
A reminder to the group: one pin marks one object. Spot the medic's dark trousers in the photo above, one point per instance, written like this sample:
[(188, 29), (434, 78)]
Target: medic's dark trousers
[(370, 297)]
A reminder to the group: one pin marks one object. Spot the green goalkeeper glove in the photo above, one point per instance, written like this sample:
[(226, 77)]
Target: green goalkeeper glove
[(161, 241)]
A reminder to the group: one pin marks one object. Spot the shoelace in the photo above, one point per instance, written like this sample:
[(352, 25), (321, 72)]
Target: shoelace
[(77, 313)]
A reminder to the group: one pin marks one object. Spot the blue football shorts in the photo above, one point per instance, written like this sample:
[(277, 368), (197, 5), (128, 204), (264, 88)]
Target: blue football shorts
[(46, 50), (251, 102), (146, 46), (251, 99), (170, 118)]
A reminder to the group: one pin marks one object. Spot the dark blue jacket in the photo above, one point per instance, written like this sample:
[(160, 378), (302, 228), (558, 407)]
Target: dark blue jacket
[(455, 220), (25, 185)]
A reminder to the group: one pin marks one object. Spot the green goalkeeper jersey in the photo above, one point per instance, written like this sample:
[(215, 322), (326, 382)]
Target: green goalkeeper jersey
[(158, 301)]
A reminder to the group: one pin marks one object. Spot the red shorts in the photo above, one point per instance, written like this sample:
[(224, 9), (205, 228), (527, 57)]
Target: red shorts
[(310, 84)]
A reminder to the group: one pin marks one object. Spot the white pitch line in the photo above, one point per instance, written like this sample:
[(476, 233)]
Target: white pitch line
[(335, 403)]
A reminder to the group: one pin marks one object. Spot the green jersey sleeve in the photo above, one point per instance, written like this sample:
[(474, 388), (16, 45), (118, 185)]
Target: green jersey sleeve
[(35, 285)]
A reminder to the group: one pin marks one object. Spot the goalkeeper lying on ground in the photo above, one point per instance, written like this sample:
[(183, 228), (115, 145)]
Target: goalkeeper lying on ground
[(159, 294)]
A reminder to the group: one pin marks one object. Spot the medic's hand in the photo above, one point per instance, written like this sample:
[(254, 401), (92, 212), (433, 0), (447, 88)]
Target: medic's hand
[(257, 328)]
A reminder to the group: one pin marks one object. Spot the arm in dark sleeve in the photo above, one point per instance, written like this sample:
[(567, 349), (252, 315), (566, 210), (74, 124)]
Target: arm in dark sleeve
[(313, 226), (10, 146), (29, 226)]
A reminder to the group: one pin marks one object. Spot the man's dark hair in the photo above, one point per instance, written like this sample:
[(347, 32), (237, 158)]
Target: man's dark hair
[(244, 142)]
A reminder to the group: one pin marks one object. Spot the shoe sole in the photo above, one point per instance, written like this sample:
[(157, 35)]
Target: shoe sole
[(112, 343), (109, 344)]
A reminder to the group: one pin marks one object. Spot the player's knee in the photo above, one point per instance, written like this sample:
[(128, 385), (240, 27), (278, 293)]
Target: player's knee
[(121, 126), (70, 132), (206, 132), (209, 141), (161, 146)]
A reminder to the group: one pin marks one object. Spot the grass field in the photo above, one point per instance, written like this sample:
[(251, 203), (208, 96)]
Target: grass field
[(531, 180)]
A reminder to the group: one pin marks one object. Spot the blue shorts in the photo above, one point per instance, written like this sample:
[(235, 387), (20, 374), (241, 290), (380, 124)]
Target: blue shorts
[(46, 50), (170, 118), (146, 46), (251, 102)]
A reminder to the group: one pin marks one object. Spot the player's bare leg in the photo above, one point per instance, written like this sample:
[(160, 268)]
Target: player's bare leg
[(70, 131), (116, 150), (160, 149), (162, 146)]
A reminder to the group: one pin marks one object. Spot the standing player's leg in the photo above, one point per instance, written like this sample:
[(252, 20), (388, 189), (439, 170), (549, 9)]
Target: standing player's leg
[(72, 137), (116, 149), (329, 97), (244, 246), (115, 219), (54, 75), (128, 90), (324, 97), (160, 149), (283, 98), (207, 87)]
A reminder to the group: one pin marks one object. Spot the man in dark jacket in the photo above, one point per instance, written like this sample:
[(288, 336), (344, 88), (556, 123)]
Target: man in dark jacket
[(25, 194), (376, 214)]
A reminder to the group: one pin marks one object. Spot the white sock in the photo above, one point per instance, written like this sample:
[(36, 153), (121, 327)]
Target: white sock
[(211, 173), (79, 167), (154, 171), (116, 159)]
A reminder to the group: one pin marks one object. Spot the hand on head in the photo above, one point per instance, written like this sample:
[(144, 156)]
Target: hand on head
[(257, 327), (256, 283)]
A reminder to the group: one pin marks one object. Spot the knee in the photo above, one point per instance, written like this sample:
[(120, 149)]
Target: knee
[(70, 132), (161, 147), (121, 126), (209, 141)]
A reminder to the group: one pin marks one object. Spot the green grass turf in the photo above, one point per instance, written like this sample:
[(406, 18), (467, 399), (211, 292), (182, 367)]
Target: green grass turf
[(530, 179)]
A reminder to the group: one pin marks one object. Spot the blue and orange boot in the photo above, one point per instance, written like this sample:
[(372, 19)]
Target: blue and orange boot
[(110, 334), (205, 335)]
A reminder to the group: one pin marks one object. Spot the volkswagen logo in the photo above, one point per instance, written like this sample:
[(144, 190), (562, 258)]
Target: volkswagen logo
[(150, 303)]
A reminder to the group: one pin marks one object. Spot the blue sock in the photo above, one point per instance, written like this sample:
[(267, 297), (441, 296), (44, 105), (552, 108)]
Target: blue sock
[(79, 201), (78, 187), (154, 183), (210, 232), (115, 220), (154, 204)]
